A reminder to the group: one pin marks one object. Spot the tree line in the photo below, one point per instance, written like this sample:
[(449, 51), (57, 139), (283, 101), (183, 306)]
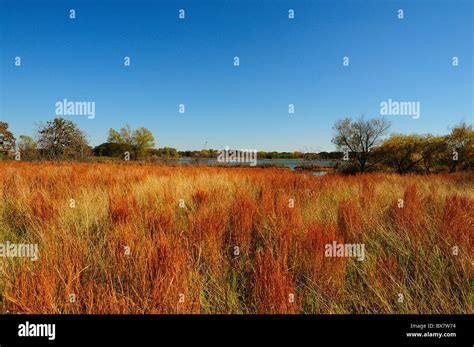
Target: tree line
[(362, 146), (366, 148)]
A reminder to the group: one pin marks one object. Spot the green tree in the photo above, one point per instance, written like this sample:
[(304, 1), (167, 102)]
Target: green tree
[(140, 140), (60, 139), (164, 153), (403, 152), (432, 152), (27, 147), (109, 149), (460, 146), (412, 152)]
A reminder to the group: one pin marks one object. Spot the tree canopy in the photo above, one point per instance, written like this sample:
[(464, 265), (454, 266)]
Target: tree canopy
[(61, 139), (360, 137), (27, 148), (140, 140), (7, 140)]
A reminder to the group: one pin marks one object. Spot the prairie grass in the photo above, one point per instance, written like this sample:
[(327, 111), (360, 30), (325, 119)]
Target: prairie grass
[(156, 239)]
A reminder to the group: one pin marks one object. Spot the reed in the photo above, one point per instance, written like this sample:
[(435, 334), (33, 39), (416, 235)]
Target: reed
[(131, 238)]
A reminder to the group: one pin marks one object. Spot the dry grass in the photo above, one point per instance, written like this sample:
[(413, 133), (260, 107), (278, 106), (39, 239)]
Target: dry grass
[(237, 246)]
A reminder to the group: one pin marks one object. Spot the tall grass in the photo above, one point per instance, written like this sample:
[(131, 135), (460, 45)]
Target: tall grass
[(151, 239)]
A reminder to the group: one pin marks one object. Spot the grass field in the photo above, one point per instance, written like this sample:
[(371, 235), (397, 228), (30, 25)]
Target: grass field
[(157, 239)]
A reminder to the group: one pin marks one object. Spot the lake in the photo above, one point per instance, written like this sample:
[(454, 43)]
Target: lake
[(289, 163)]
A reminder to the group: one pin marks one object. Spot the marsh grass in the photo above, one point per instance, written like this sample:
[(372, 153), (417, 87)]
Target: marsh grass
[(184, 260)]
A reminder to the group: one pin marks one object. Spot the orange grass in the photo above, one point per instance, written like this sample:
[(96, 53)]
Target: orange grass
[(157, 239)]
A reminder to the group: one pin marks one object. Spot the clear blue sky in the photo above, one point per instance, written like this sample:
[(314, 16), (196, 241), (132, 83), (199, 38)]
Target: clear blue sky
[(191, 62)]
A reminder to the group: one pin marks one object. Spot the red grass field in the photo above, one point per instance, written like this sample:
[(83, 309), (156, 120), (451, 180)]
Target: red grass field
[(157, 239)]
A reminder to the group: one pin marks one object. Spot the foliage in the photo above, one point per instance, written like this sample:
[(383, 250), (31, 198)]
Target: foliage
[(164, 153), (7, 140), (28, 148), (460, 144), (112, 149), (140, 140), (61, 139)]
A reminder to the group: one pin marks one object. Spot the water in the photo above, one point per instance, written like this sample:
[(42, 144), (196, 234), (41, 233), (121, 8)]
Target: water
[(289, 163)]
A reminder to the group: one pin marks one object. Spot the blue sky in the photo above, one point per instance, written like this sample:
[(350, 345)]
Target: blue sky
[(190, 61)]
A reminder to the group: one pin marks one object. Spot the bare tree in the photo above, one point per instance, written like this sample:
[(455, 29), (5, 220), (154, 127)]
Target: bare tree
[(360, 137)]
